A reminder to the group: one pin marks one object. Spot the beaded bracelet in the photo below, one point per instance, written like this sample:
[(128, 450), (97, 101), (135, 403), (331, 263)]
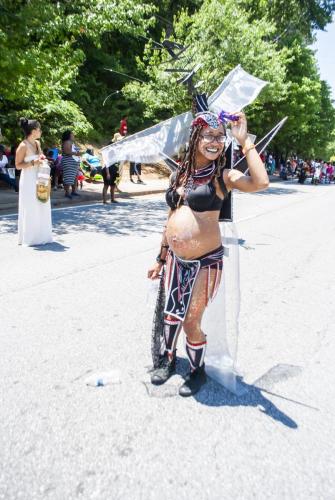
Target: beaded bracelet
[(248, 148), (160, 260)]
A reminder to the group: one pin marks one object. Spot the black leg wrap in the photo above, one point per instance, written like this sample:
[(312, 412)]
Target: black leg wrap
[(197, 376), (196, 353), (172, 328)]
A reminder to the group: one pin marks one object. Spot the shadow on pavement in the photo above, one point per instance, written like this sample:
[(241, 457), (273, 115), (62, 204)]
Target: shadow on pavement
[(213, 394), (125, 218), (146, 217), (8, 224), (51, 247), (277, 191)]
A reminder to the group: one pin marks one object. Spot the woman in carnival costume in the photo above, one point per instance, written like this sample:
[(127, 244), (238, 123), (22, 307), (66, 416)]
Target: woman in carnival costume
[(191, 244)]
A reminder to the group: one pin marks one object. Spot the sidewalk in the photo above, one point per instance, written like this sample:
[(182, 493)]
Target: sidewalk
[(91, 193)]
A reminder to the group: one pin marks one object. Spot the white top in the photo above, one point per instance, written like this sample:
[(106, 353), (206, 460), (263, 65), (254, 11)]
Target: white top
[(3, 164), (30, 158), (75, 150)]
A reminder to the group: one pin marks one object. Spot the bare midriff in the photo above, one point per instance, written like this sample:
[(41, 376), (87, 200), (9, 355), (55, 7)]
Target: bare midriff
[(192, 234)]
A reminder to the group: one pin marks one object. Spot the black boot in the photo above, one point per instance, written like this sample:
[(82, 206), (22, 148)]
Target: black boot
[(165, 370), (193, 382)]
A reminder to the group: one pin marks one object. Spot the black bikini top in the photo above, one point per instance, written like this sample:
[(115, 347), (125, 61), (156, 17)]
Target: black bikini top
[(200, 198)]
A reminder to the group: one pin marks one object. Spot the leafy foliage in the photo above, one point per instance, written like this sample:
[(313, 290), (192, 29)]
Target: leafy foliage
[(55, 58), (42, 52), (224, 33)]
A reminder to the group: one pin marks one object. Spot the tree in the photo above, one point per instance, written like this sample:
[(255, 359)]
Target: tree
[(219, 35), (292, 18), (224, 33), (41, 55)]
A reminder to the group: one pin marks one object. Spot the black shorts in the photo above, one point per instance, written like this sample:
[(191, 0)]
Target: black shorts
[(134, 168), (113, 173)]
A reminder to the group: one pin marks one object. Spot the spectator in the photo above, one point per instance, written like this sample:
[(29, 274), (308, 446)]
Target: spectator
[(269, 163), (110, 174), (92, 162), (330, 173), (135, 169), (117, 136), (70, 163), (80, 177), (58, 173), (323, 177), (283, 171), (123, 130), (316, 173), (4, 172)]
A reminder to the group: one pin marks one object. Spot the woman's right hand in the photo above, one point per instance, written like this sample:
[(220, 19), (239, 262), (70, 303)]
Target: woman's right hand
[(154, 271)]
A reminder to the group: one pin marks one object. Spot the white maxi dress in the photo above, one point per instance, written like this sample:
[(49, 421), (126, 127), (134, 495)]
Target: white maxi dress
[(34, 225)]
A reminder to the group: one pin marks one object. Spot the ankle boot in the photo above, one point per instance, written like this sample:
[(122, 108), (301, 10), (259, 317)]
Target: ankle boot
[(193, 382), (166, 368)]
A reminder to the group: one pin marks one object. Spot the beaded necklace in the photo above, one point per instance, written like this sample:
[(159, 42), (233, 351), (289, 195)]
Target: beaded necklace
[(200, 176)]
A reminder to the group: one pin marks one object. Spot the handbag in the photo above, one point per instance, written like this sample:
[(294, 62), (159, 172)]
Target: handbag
[(43, 182)]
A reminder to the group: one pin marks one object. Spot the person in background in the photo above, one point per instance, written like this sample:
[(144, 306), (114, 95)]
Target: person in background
[(269, 163), (34, 216), (323, 176), (58, 179), (49, 157), (70, 164), (117, 137), (4, 174), (316, 173), (92, 162), (135, 169), (110, 174), (123, 130), (330, 173)]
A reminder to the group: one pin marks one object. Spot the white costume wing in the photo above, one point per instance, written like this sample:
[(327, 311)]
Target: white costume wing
[(221, 317), (236, 91)]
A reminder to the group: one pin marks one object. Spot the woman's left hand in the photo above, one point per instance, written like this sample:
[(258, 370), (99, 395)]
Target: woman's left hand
[(239, 129), (154, 271)]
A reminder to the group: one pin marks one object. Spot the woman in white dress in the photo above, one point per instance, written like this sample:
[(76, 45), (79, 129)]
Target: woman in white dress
[(34, 216)]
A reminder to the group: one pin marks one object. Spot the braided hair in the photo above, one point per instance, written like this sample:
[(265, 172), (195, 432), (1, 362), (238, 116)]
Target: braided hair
[(188, 165)]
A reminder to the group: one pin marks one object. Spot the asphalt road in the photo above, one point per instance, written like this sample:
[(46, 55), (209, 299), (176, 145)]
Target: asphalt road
[(78, 307)]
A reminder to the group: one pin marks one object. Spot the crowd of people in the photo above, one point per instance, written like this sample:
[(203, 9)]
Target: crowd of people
[(317, 170), (70, 166)]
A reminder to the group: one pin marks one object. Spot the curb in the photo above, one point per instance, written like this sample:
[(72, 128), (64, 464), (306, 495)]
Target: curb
[(94, 197), (85, 199)]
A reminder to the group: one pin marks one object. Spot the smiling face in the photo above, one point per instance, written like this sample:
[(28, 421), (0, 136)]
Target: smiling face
[(210, 145)]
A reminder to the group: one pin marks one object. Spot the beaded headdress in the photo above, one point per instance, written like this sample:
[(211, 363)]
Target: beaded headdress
[(206, 118)]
